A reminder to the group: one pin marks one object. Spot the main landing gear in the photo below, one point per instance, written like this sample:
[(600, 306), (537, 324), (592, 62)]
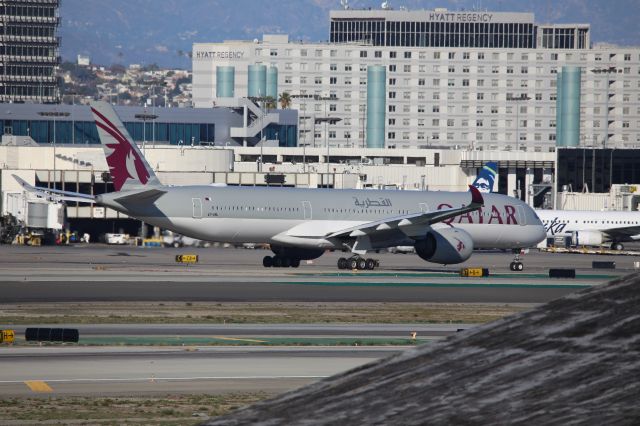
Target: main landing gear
[(516, 265), (617, 246), (357, 262), (280, 262)]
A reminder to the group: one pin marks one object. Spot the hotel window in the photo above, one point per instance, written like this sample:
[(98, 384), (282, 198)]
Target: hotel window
[(347, 80), (287, 66), (466, 55), (435, 122), (421, 122), (392, 95), (288, 79), (436, 55), (377, 54), (436, 96), (406, 95), (391, 135), (406, 122), (627, 56), (273, 52), (333, 53), (318, 53), (392, 108), (451, 82), (524, 70), (333, 80), (406, 108), (452, 68), (480, 83), (332, 134), (407, 68), (363, 68), (333, 67), (452, 55), (420, 108), (318, 80), (392, 68), (407, 55), (494, 109), (481, 55), (363, 53), (450, 122), (480, 96), (392, 82), (421, 82), (420, 135), (303, 52), (332, 107), (495, 69), (465, 82), (525, 57), (392, 54), (347, 67), (465, 69), (494, 83), (509, 70)]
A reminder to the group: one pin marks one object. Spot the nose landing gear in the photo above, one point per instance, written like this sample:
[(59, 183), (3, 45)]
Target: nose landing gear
[(516, 265), (357, 262)]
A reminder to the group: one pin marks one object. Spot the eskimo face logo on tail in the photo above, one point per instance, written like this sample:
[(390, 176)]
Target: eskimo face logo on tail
[(124, 162)]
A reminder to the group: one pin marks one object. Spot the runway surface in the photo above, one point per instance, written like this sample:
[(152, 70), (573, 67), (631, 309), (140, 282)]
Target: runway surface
[(104, 273), (139, 371), (121, 274)]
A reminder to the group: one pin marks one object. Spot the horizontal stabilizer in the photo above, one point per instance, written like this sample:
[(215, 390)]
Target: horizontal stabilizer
[(147, 196), (55, 194)]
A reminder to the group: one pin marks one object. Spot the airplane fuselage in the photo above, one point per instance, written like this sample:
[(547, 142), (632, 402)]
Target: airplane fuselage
[(566, 222), (293, 216)]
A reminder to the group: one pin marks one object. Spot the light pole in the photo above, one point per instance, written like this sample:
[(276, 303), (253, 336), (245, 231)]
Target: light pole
[(606, 71), (303, 97), (54, 114), (144, 117), (517, 101), (327, 120)]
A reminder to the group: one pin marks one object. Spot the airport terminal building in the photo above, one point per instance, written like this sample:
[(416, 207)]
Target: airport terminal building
[(398, 78)]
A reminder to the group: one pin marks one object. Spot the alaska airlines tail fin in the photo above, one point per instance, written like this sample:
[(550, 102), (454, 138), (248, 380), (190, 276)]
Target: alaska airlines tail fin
[(486, 177), (128, 168)]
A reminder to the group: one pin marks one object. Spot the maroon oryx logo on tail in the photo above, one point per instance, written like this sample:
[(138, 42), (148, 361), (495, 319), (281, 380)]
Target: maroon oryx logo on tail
[(124, 161)]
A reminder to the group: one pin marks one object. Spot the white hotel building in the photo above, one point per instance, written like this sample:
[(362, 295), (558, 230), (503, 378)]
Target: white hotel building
[(471, 80)]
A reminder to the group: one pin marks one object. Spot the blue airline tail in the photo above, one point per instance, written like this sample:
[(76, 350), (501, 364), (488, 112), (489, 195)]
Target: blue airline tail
[(487, 176)]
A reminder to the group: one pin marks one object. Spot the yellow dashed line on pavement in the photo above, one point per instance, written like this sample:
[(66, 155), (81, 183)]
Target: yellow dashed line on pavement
[(38, 386)]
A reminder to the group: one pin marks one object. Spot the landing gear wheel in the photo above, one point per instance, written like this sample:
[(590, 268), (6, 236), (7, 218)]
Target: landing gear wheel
[(342, 263), (617, 246), (362, 264), (516, 266), (286, 262), (295, 263), (353, 264), (277, 262), (267, 261), (370, 264)]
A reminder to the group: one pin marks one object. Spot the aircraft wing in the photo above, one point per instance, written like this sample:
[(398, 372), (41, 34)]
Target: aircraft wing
[(622, 232), (55, 194), (414, 219)]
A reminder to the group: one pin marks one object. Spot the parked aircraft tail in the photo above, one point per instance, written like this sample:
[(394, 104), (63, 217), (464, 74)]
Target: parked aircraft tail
[(128, 168), (487, 176)]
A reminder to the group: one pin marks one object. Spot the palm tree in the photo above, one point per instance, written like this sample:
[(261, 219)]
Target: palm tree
[(285, 100)]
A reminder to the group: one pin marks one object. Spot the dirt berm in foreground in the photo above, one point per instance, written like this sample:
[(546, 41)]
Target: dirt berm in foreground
[(575, 360)]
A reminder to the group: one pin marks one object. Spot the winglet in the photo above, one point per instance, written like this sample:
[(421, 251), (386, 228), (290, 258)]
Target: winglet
[(23, 183), (476, 196)]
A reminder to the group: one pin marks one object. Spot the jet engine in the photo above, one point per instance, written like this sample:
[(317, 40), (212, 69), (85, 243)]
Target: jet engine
[(446, 246), (587, 238), (297, 253)]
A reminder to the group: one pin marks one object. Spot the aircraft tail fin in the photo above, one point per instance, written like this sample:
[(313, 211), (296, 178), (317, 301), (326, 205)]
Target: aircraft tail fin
[(128, 168), (487, 176)]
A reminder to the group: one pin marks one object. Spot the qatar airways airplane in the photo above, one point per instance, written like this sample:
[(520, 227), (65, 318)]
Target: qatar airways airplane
[(301, 224)]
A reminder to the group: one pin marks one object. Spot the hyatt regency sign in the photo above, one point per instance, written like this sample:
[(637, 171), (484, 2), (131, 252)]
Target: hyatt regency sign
[(460, 17), (212, 54)]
